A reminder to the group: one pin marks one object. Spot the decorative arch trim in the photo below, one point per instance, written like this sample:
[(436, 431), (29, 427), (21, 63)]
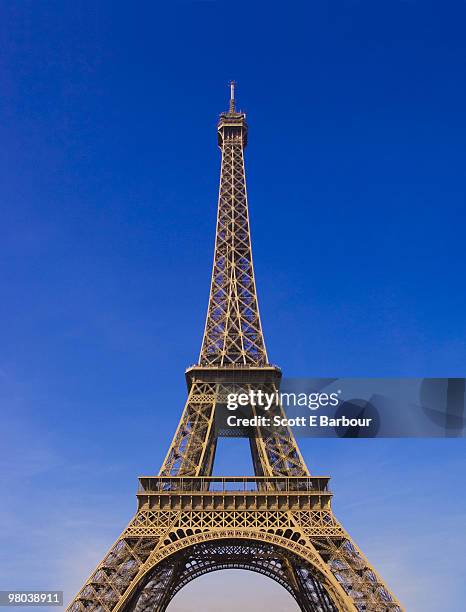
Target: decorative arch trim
[(307, 553)]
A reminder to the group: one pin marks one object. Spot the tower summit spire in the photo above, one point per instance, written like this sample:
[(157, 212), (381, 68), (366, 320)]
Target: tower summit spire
[(233, 333), (232, 96)]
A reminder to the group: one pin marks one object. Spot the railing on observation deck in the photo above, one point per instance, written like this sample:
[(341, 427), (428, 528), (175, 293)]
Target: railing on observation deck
[(234, 484), (233, 366)]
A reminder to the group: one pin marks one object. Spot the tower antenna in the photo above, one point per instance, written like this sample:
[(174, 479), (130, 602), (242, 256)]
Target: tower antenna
[(232, 96)]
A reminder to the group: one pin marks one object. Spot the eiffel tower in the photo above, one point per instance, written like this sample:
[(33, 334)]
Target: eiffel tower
[(278, 523)]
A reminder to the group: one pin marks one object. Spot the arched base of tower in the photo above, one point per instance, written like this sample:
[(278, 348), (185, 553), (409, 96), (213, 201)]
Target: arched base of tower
[(288, 569), (280, 527)]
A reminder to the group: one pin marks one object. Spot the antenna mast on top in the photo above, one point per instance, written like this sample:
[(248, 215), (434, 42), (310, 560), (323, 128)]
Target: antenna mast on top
[(232, 96)]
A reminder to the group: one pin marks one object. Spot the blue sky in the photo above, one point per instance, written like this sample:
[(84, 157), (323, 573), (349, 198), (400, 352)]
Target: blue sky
[(108, 186)]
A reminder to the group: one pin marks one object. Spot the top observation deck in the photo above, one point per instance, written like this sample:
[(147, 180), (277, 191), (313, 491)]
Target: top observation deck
[(232, 125)]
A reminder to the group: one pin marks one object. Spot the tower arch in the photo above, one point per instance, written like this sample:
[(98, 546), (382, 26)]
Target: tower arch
[(294, 568)]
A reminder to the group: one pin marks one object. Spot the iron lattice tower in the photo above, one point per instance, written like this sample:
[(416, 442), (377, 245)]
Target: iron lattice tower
[(279, 522)]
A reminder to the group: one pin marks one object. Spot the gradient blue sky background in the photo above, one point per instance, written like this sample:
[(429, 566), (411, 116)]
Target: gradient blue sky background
[(108, 187)]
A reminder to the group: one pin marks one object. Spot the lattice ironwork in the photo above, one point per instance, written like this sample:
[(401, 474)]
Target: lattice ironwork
[(233, 332), (278, 523), (192, 452), (156, 554), (286, 568)]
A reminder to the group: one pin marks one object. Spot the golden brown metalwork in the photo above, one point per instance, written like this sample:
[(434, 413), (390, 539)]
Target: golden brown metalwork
[(278, 523)]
